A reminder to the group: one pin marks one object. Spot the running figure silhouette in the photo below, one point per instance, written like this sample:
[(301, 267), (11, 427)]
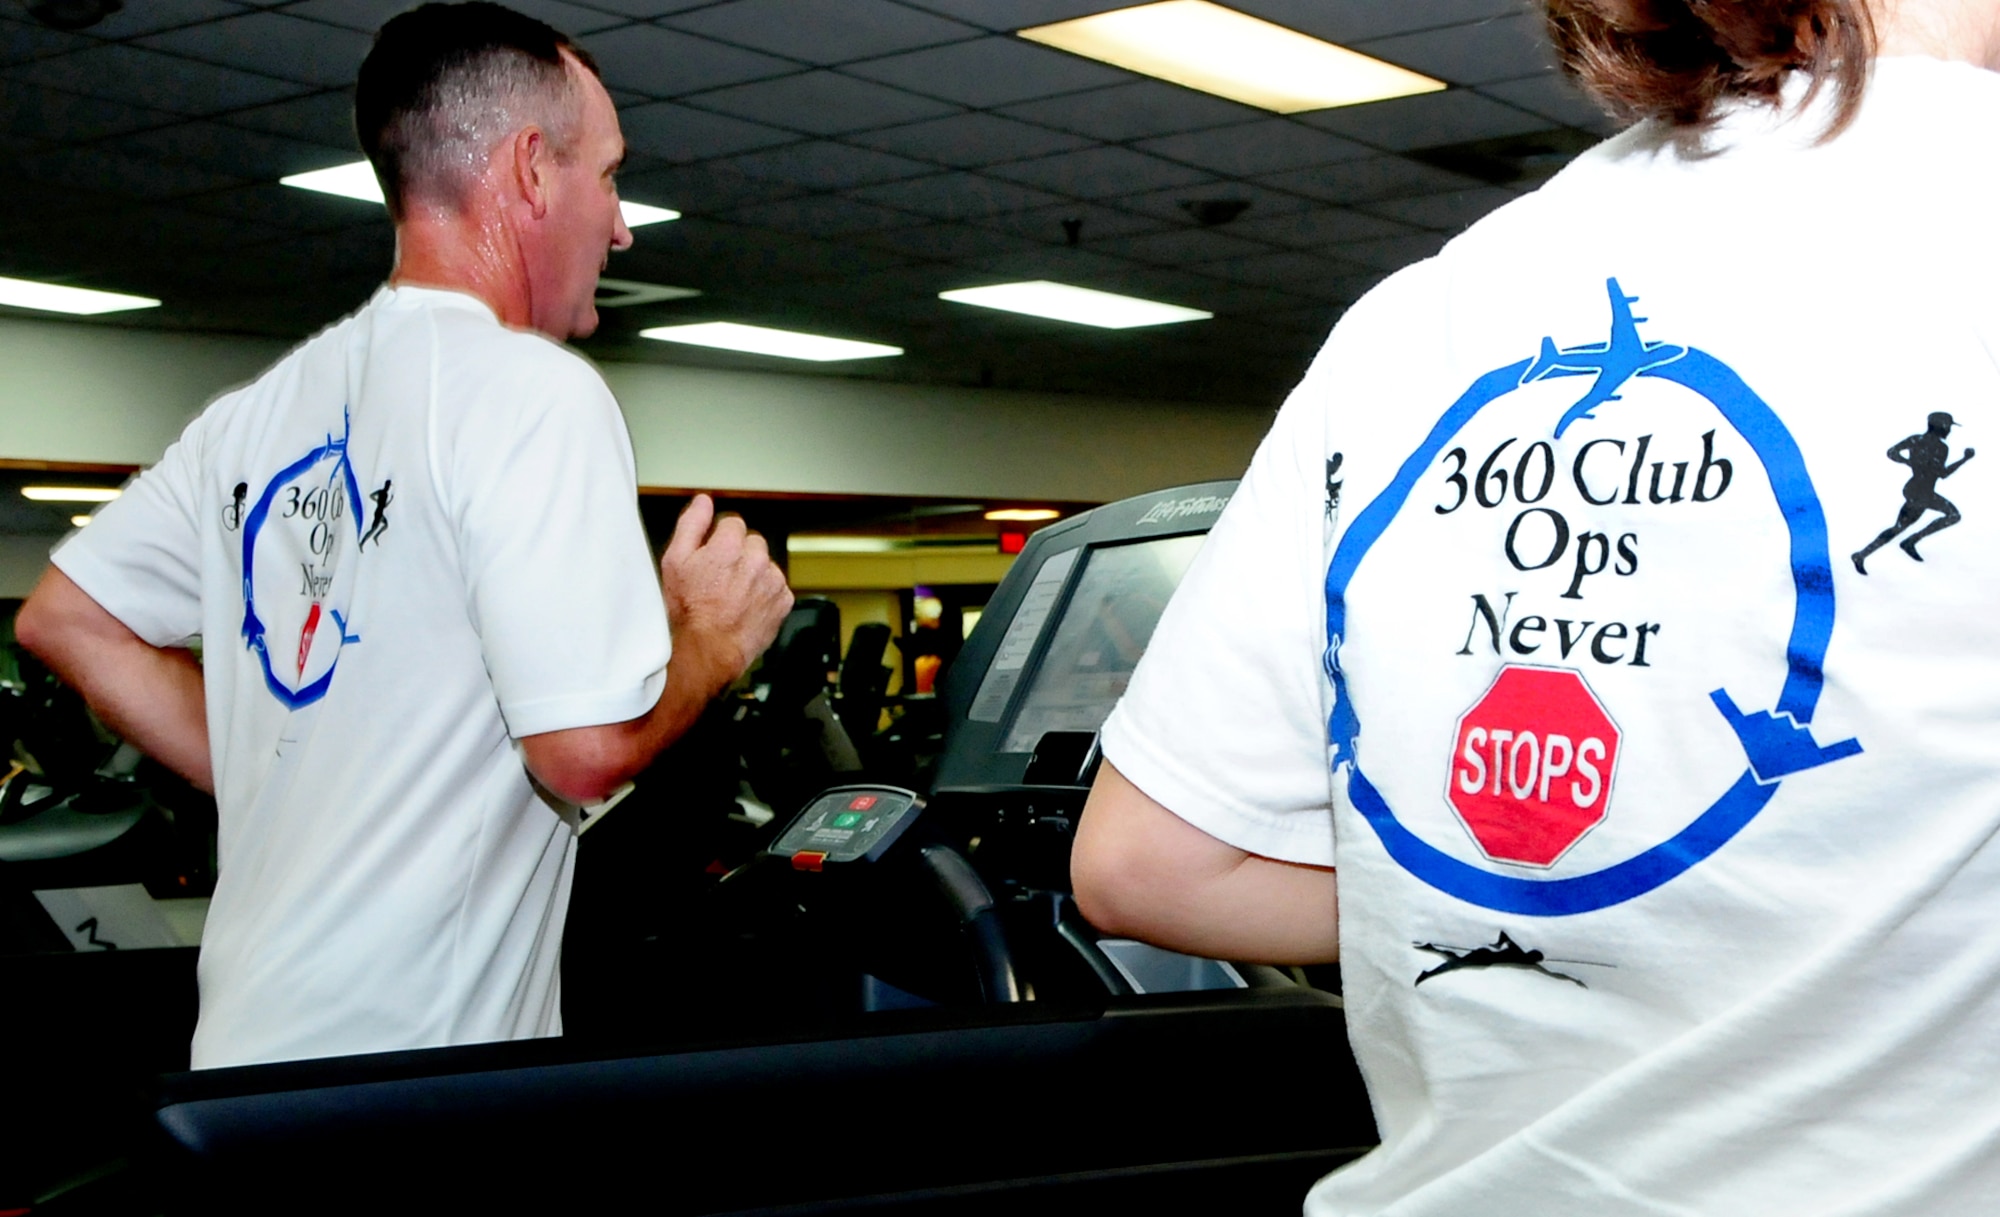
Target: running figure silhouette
[(1927, 456), (382, 498)]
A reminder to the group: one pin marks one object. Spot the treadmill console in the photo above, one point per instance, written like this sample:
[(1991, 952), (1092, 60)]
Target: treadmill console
[(1058, 643), (846, 825)]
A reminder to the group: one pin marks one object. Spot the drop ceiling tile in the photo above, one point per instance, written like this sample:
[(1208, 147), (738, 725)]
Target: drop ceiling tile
[(1081, 266), (1186, 289), (21, 41), (820, 215), (1320, 226), (293, 210), (148, 78), (1287, 271), (1358, 20), (956, 196), (1315, 319), (1172, 205), (1133, 111), (990, 71), (947, 242), (703, 189), (320, 118), (645, 9), (152, 16), (824, 165), (159, 236), (1382, 177), (1498, 48), (29, 112), (824, 103), (242, 154), (822, 31), (1448, 212), (1267, 146), (101, 170), (1178, 247), (667, 63), (967, 141), (370, 15), (1046, 223), (1427, 121), (1009, 15), (1096, 173), (271, 43), (721, 258), (678, 133), (1390, 253), (1553, 95)]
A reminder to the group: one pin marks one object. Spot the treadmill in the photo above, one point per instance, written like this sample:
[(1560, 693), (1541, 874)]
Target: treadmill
[(1074, 1075)]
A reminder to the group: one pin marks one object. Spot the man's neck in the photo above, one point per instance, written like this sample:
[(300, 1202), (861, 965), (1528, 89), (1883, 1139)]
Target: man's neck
[(445, 249)]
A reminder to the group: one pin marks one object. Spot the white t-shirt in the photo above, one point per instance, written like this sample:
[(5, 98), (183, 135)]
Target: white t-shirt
[(411, 542), (1666, 837)]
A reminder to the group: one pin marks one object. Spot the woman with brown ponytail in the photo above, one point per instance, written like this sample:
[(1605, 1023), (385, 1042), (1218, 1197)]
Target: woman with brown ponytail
[(1625, 717)]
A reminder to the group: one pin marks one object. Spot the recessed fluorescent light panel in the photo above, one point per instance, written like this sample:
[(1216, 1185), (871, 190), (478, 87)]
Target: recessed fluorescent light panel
[(77, 301), (1082, 305), (80, 521), (624, 293), (357, 181), (1230, 54), (71, 494), (351, 181), (1023, 514), (759, 340), (638, 215)]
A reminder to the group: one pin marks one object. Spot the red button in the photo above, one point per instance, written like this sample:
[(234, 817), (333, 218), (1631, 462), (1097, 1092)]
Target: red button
[(861, 802)]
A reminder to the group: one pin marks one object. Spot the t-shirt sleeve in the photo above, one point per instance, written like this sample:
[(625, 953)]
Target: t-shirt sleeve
[(140, 557), (1222, 723), (561, 582)]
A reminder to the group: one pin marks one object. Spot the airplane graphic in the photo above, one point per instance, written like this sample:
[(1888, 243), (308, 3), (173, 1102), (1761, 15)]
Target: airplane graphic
[(1613, 362)]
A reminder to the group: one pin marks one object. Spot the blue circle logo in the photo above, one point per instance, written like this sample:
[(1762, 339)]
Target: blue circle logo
[(312, 501), (1776, 743)]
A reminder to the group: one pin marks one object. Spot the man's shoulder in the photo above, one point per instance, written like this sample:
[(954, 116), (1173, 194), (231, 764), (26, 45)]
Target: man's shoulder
[(482, 362)]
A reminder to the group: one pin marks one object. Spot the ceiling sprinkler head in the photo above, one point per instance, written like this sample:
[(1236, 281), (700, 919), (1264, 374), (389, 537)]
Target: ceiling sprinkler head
[(1210, 212), (72, 14)]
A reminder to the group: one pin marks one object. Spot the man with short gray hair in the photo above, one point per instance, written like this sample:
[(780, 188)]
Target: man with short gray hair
[(400, 716)]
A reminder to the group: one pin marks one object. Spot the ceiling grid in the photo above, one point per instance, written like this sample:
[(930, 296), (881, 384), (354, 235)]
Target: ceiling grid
[(837, 163)]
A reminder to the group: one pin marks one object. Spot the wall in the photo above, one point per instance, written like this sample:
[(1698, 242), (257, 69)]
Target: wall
[(75, 392), (696, 427), (93, 393)]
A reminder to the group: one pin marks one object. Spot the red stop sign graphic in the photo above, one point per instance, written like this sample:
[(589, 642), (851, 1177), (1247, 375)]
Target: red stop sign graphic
[(1531, 768)]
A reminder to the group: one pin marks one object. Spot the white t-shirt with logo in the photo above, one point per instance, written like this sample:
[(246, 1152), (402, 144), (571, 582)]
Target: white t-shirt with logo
[(1625, 580), (408, 544)]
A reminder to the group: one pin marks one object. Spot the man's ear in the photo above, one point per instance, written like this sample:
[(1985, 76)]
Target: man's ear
[(532, 166)]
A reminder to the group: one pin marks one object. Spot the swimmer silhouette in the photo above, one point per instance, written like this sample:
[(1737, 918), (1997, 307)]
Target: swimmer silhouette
[(1927, 456), (1504, 953), (382, 499)]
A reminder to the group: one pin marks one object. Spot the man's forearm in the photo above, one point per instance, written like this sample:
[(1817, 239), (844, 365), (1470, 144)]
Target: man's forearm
[(152, 697)]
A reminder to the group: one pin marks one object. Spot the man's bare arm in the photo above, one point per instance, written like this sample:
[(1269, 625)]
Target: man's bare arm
[(150, 696), (1140, 871), (725, 601)]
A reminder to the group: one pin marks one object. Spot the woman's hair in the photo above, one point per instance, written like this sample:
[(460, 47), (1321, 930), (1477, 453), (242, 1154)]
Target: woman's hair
[(1678, 61)]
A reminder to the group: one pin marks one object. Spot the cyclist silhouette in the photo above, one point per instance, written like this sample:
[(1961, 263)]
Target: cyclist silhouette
[(232, 515), (1927, 456)]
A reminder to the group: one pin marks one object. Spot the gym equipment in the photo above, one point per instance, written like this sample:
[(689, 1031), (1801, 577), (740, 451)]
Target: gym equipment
[(888, 1058)]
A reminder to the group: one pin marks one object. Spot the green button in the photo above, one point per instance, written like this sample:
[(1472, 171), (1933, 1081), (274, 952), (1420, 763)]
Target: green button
[(847, 819)]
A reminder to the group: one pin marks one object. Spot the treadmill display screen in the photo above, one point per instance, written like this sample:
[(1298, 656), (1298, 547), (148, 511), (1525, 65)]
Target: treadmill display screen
[(1099, 637)]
